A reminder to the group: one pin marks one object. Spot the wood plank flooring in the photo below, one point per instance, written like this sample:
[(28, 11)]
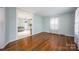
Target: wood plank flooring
[(43, 42)]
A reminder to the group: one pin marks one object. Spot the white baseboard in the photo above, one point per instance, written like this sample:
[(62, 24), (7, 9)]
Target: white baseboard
[(68, 35), (6, 44), (63, 34), (2, 46)]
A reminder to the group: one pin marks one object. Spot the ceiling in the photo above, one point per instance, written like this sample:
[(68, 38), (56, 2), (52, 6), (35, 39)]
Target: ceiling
[(49, 11)]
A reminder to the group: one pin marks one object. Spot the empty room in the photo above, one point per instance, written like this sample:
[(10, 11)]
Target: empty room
[(39, 29)]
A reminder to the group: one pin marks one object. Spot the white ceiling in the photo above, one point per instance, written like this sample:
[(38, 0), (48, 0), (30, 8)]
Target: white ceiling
[(49, 11)]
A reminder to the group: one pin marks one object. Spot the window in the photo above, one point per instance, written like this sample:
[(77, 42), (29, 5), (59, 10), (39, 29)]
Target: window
[(54, 23)]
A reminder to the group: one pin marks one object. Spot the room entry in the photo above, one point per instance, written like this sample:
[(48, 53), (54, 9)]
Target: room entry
[(24, 23)]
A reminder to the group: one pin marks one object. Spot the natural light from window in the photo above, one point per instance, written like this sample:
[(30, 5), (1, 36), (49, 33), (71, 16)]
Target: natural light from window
[(54, 22)]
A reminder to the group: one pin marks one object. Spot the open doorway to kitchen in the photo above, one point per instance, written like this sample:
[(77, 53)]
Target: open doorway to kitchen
[(24, 23)]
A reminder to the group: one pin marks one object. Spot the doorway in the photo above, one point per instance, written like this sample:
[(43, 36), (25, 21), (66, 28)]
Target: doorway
[(24, 23)]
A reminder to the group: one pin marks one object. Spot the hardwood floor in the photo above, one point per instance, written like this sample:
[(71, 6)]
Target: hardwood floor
[(43, 42)]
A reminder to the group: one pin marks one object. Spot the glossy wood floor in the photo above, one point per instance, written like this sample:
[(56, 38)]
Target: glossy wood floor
[(43, 42)]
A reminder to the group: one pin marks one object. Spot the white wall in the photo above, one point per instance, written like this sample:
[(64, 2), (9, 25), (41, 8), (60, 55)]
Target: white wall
[(2, 27), (11, 29), (66, 24)]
